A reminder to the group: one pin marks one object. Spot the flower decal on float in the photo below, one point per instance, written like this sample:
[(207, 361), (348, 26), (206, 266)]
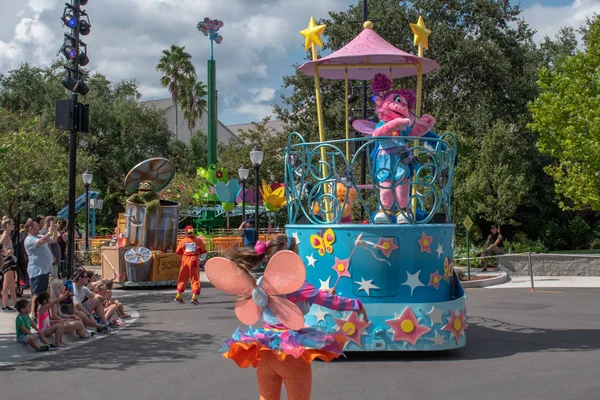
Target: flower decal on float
[(456, 324), (353, 327), (387, 246), (406, 327), (448, 269), (434, 279), (425, 243)]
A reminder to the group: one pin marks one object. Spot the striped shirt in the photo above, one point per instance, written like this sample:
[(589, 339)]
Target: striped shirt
[(310, 294)]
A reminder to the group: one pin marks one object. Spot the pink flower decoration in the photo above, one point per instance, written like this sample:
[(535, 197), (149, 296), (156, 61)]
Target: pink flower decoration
[(341, 267), (456, 324), (406, 327), (434, 279), (425, 243), (352, 327), (387, 246)]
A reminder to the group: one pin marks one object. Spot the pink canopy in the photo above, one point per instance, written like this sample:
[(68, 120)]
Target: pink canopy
[(368, 48)]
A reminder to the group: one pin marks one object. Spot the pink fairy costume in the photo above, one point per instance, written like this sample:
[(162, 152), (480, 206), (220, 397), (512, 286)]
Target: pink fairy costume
[(281, 297)]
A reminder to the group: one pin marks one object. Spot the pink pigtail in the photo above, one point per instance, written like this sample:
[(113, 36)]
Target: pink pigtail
[(380, 84)]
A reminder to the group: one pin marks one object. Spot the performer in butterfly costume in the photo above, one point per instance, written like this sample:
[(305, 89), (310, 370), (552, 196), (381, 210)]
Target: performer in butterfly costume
[(391, 158), (282, 351), (191, 248)]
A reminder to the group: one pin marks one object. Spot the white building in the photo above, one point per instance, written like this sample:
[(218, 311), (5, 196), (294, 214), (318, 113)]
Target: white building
[(224, 134)]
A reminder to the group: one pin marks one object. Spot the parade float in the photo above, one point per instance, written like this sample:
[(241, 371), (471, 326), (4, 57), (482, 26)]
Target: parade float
[(397, 259)]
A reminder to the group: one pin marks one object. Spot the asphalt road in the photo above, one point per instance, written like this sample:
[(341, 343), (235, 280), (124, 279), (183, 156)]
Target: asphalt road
[(521, 345)]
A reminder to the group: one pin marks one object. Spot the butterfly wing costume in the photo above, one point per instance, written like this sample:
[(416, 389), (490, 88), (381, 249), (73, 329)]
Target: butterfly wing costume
[(281, 298)]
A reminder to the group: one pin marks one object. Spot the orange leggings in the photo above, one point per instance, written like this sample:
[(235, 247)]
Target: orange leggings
[(189, 271), (295, 372)]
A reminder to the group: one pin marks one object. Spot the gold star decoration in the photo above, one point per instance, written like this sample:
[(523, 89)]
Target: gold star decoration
[(313, 34), (421, 33)]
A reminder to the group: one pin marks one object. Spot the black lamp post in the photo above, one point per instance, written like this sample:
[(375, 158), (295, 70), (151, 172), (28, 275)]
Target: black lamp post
[(243, 174), (87, 181), (256, 157)]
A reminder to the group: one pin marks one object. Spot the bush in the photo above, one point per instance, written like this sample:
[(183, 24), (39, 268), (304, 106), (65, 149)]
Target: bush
[(580, 233), (527, 246), (461, 252)]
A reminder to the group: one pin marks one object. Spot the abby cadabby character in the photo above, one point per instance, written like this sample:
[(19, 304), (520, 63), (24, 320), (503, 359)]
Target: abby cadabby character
[(391, 158)]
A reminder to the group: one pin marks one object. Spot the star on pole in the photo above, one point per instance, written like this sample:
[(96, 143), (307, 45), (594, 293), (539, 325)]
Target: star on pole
[(366, 285), (313, 34), (421, 34), (311, 260)]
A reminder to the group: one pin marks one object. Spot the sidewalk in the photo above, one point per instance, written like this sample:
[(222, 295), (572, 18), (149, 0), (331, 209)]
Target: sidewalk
[(12, 352), (551, 282)]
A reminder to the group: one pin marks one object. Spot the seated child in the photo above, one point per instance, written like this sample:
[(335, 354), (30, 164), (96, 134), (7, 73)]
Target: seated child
[(41, 313), (23, 325)]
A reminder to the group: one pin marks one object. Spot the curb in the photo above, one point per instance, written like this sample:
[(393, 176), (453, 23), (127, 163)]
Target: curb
[(498, 279), (15, 353)]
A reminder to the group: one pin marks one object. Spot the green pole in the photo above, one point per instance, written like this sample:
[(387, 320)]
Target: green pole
[(468, 256), (212, 114)]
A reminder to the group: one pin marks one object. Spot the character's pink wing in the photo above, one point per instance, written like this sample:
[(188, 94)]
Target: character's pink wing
[(228, 277), (287, 312), (247, 311), (364, 126), (285, 273)]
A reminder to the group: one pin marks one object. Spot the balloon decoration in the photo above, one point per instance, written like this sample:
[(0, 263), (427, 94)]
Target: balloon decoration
[(226, 193)]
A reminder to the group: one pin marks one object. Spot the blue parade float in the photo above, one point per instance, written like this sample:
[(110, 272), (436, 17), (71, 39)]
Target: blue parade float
[(403, 273)]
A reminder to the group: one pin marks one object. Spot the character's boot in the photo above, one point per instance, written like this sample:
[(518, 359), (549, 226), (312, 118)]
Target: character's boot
[(195, 299), (178, 298)]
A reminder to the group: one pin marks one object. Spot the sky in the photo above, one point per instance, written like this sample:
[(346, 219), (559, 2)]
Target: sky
[(261, 40)]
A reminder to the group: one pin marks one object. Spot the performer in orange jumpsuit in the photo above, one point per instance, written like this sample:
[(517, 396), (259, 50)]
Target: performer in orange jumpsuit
[(190, 248)]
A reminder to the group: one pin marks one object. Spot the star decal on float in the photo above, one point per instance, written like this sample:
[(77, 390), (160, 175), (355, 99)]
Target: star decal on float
[(438, 340), (325, 285), (387, 246), (295, 236), (452, 243), (425, 243), (421, 33), (353, 327), (341, 267), (320, 314), (311, 260), (366, 285), (448, 269), (313, 34), (440, 250), (435, 279), (406, 327), (413, 281), (436, 316), (456, 324)]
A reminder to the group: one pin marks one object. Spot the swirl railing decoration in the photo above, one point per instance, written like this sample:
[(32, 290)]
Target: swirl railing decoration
[(311, 180)]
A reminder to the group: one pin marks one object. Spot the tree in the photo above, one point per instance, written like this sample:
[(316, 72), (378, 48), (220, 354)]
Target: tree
[(33, 168), (176, 67), (237, 152), (567, 117), (498, 183), (193, 101), (488, 66)]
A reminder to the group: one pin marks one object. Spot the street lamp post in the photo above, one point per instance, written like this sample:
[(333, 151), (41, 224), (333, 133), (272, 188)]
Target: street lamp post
[(243, 174), (256, 157), (87, 181)]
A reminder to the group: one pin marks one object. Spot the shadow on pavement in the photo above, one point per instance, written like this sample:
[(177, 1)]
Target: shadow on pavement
[(489, 338)]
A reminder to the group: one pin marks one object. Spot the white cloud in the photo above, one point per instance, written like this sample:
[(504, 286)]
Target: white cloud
[(264, 94), (256, 111), (547, 20)]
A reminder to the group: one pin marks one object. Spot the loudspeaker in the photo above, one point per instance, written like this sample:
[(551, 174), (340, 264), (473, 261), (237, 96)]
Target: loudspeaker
[(65, 115), (84, 117)]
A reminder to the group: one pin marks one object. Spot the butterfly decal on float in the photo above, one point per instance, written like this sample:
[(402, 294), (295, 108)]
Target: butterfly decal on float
[(323, 242), (285, 273)]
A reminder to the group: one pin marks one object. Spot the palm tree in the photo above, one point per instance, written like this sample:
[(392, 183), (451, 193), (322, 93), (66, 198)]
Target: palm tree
[(176, 67), (192, 100)]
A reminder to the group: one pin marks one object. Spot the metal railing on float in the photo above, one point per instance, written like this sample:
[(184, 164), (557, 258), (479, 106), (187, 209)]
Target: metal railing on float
[(313, 171)]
